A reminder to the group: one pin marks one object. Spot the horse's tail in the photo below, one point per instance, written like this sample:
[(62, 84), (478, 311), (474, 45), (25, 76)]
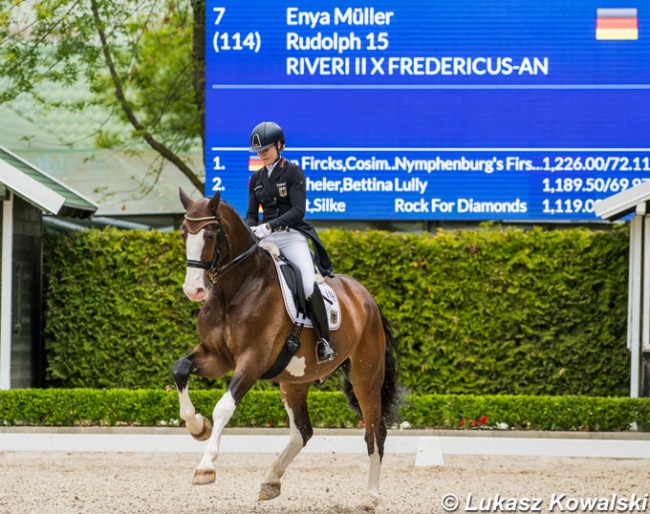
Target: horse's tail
[(390, 394)]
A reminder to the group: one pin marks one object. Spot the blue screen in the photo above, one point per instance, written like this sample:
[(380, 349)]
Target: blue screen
[(473, 110)]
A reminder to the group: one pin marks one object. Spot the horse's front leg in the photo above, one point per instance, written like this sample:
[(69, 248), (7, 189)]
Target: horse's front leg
[(242, 380), (198, 426), (294, 397)]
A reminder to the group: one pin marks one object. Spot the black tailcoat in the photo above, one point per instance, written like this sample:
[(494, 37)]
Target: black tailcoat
[(283, 197)]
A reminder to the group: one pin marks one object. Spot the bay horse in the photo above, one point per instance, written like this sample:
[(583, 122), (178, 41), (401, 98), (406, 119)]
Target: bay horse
[(243, 326)]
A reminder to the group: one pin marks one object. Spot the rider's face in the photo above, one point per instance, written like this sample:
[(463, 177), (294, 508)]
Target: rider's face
[(269, 156)]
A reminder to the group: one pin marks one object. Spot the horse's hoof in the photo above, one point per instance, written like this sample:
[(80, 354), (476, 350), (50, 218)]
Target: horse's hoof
[(369, 504), (269, 491), (204, 476), (205, 433)]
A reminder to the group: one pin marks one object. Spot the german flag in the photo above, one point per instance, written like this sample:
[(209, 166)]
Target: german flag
[(617, 24), (254, 164)]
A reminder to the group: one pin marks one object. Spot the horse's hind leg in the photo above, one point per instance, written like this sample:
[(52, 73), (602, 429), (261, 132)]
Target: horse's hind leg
[(294, 397), (367, 384)]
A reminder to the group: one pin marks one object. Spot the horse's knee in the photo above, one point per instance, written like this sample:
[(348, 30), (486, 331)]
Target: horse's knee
[(181, 372)]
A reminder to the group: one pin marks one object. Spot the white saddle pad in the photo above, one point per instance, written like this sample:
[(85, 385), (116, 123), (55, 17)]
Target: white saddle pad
[(331, 301)]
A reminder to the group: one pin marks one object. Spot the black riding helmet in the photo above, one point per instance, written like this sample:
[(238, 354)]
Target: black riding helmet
[(265, 135)]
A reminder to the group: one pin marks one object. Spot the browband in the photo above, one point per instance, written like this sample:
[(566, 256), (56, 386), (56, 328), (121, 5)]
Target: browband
[(206, 220)]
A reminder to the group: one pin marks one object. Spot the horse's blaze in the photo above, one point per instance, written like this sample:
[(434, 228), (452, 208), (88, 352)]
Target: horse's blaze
[(204, 476), (269, 491), (205, 433)]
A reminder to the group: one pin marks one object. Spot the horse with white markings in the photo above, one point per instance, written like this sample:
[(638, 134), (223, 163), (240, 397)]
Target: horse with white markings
[(243, 327)]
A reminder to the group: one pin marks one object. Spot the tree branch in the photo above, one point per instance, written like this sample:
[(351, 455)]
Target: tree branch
[(198, 59), (159, 147)]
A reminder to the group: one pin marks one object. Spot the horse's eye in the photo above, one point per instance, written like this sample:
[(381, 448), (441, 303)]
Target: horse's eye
[(183, 232), (208, 236)]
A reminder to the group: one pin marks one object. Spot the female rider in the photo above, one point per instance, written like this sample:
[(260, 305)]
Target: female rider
[(279, 187)]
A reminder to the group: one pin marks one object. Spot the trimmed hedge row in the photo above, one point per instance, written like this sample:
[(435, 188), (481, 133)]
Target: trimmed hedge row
[(488, 311), (111, 407)]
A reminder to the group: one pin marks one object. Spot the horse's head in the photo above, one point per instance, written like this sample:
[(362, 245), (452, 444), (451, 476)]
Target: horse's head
[(211, 246)]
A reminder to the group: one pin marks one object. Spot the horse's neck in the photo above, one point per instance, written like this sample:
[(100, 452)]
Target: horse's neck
[(245, 276)]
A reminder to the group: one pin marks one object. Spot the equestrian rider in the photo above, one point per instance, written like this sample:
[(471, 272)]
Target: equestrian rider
[(279, 187)]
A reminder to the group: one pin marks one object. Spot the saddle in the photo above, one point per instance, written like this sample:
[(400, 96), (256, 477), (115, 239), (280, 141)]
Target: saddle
[(295, 303), (290, 280)]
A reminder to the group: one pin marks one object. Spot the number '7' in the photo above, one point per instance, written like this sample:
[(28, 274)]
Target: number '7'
[(220, 12)]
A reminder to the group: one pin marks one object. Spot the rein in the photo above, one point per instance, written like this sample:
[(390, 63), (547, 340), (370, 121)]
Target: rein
[(213, 271)]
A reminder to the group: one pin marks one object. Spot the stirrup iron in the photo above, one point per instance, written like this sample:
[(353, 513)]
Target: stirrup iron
[(324, 352)]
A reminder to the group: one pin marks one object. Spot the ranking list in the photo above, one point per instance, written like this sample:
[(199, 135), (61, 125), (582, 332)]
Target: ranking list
[(447, 111)]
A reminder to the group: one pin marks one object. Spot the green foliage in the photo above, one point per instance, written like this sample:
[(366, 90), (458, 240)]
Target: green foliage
[(115, 407), (499, 311), (116, 312), (527, 412), (158, 69), (155, 407), (133, 68), (491, 311)]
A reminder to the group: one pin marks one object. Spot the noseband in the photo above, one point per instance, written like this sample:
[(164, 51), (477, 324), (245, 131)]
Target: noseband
[(212, 266)]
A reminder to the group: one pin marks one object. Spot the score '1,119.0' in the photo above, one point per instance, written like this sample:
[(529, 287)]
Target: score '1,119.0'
[(568, 206)]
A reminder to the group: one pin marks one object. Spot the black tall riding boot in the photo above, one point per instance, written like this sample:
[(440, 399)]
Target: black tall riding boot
[(318, 315)]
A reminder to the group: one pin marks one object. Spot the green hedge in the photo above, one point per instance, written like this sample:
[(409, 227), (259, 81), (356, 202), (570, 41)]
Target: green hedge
[(115, 312), (487, 311), (106, 407)]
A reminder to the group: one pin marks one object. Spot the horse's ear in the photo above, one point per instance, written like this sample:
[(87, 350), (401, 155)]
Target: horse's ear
[(185, 200), (213, 204)]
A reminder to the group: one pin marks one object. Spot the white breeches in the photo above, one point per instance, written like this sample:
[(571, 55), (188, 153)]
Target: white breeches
[(295, 247)]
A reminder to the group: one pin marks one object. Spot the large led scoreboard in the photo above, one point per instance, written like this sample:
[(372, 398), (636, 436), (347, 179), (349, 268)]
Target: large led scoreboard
[(440, 110)]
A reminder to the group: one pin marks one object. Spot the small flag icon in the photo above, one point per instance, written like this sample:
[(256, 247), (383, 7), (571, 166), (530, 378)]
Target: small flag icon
[(254, 164), (617, 24)]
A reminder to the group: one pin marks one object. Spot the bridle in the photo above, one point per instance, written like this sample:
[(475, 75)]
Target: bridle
[(214, 271)]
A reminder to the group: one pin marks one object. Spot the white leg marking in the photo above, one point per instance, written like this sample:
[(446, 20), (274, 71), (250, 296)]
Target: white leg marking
[(373, 477), (221, 414), (279, 466), (193, 422), (296, 367)]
